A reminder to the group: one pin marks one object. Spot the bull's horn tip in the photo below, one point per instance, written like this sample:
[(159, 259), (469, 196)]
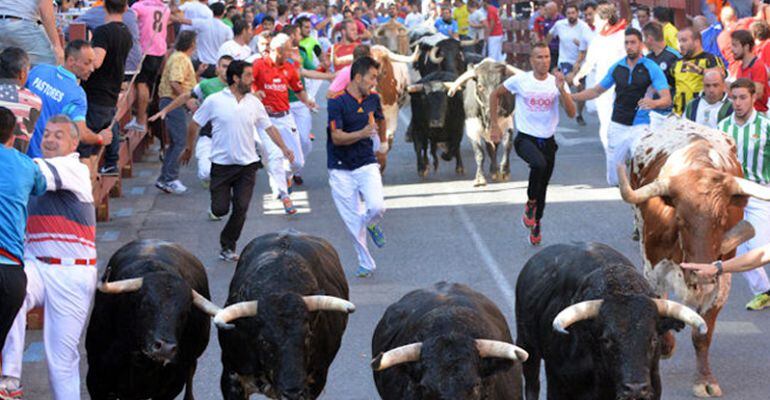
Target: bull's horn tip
[(223, 325), (376, 363), (703, 329), (558, 328)]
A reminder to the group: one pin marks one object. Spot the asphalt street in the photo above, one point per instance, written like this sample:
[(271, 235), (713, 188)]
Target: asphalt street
[(438, 228)]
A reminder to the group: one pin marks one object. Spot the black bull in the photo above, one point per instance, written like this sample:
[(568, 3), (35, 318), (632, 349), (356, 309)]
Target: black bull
[(613, 345), (283, 346), (145, 335), (446, 342)]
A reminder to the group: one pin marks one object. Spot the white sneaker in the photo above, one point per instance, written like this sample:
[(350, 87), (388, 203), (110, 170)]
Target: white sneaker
[(133, 125), (176, 187)]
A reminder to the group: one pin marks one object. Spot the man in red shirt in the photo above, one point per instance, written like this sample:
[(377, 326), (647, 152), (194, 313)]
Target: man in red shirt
[(747, 65), (495, 39), (273, 77), (346, 47)]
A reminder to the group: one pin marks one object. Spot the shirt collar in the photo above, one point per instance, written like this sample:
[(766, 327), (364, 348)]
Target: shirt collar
[(748, 121), (66, 73)]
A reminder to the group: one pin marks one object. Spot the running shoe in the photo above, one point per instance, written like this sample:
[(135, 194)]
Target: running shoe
[(289, 188), (298, 180), (214, 217), (162, 186), (133, 125), (534, 234), (759, 302), (363, 272), (10, 389), (375, 232), (288, 206), (176, 187), (530, 209), (109, 170), (228, 255)]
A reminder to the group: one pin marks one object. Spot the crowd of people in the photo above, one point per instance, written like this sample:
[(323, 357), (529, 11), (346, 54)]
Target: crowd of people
[(237, 90)]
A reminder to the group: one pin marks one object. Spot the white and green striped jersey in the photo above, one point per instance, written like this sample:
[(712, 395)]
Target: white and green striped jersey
[(752, 141)]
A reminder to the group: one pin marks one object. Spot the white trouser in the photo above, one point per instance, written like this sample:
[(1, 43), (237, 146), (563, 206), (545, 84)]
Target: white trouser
[(304, 121), (495, 48), (203, 155), (604, 106), (349, 188), (621, 140), (66, 294), (279, 170), (757, 212), (312, 86)]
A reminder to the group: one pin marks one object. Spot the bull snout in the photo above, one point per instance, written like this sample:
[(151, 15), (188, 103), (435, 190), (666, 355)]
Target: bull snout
[(161, 351), (636, 391)]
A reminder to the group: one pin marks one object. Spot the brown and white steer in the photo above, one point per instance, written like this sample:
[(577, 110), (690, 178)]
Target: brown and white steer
[(689, 194)]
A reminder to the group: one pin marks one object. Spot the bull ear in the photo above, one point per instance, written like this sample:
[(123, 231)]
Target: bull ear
[(666, 324)]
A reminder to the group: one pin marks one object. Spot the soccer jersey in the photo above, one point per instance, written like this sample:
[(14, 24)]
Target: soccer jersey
[(275, 81), (349, 114), (752, 144), (631, 86), (21, 178), (689, 80), (341, 50), (59, 90), (152, 16), (757, 72)]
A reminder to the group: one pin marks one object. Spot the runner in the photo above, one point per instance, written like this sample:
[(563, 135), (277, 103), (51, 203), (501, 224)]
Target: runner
[(536, 118), (355, 117)]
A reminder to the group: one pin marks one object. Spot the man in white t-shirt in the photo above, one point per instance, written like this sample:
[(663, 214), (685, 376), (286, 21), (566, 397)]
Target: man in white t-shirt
[(477, 23), (574, 36), (195, 9), (212, 34), (238, 48), (536, 116)]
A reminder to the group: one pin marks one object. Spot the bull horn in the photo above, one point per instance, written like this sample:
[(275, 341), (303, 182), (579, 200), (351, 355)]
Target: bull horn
[(466, 43), (122, 286), (399, 57), (740, 233), (644, 193), (749, 188), (575, 313), (498, 349), (234, 311), (672, 309), (433, 56), (399, 355), (459, 82), (328, 303), (418, 87), (205, 304)]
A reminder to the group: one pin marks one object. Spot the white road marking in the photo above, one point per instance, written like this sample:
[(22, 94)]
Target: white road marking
[(737, 328), (562, 140)]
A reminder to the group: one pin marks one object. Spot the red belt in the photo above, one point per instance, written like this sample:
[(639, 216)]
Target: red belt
[(68, 261)]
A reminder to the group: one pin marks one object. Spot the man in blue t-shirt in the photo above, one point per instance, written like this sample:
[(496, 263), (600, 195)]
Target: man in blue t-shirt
[(633, 77), (61, 93), (446, 24), (21, 178), (356, 128)]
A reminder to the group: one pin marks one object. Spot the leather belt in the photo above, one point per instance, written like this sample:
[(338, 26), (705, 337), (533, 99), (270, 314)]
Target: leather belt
[(68, 261), (278, 114)]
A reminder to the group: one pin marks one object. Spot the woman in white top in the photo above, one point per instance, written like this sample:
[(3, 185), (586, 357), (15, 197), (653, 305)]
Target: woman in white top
[(536, 116)]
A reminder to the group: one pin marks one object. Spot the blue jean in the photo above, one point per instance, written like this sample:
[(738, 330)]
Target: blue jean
[(176, 126), (29, 36)]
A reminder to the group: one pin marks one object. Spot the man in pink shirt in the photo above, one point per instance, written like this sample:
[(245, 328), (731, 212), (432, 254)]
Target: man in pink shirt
[(152, 17), (342, 78)]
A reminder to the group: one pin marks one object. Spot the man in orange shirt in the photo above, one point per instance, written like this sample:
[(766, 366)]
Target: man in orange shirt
[(346, 47)]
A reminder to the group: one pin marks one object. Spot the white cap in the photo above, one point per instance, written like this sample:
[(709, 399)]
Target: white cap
[(279, 41)]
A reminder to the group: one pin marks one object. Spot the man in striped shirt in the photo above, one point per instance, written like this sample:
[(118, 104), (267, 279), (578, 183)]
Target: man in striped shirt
[(60, 263), (751, 132)]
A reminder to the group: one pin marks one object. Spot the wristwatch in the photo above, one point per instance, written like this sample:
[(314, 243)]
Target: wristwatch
[(720, 268)]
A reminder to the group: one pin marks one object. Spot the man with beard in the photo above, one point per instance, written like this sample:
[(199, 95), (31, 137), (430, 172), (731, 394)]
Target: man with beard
[(747, 65), (346, 46), (632, 77), (234, 113), (688, 72), (446, 24)]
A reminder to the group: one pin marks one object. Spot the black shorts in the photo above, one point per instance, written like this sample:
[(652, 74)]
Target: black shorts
[(98, 118), (150, 69)]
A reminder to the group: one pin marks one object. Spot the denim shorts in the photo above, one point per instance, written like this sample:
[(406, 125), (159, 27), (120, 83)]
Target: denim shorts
[(29, 36)]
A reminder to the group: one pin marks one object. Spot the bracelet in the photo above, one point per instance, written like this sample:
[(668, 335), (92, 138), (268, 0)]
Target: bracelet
[(720, 267), (100, 140)]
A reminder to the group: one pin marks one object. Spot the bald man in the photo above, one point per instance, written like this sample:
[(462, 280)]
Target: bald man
[(712, 105), (543, 25)]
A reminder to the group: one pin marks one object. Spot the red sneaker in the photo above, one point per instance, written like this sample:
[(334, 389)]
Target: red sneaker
[(534, 234), (288, 206), (530, 209)]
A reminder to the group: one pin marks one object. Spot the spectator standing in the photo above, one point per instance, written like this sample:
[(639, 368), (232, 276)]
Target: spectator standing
[(666, 18), (662, 55), (238, 47), (111, 43), (446, 24), (495, 34), (212, 34), (751, 131), (178, 79), (23, 179), (747, 65), (573, 36), (543, 25), (58, 88), (196, 9), (25, 105), (234, 113), (19, 27), (460, 15), (632, 77), (153, 16), (688, 71), (477, 22), (713, 105), (355, 118), (60, 263), (414, 18)]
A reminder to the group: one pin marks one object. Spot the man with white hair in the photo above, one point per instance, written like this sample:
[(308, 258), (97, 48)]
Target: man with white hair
[(60, 263), (273, 77)]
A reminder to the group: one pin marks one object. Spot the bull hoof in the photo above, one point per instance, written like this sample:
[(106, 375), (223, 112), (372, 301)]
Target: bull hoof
[(480, 181), (506, 176), (706, 389), (496, 177), (460, 171), (668, 346), (423, 173)]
